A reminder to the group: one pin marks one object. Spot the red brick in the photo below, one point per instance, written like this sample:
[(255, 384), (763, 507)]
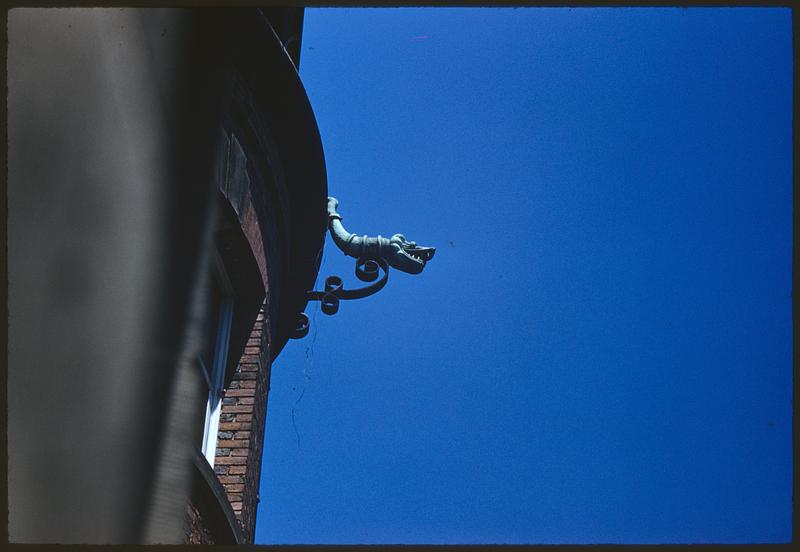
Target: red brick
[(241, 435), (232, 426), (237, 488), (246, 392), (232, 408), (246, 400), (245, 417), (227, 479), (239, 443), (235, 498), (231, 460), (238, 470), (236, 505), (247, 384), (252, 350), (240, 452)]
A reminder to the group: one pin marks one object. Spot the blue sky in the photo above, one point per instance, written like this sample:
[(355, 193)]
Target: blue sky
[(601, 349)]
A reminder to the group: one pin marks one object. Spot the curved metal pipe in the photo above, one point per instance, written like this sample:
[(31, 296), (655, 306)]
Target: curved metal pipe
[(370, 254), (353, 245), (398, 253)]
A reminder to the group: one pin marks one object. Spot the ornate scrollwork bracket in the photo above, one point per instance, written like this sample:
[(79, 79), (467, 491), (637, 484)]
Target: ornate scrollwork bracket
[(371, 254)]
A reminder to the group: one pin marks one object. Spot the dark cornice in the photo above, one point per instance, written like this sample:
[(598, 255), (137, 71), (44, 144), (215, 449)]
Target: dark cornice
[(274, 83)]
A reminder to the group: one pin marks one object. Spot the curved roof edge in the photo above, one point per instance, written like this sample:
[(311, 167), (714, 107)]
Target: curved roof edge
[(260, 56)]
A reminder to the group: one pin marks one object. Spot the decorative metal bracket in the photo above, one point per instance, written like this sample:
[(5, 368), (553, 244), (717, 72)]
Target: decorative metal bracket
[(370, 254)]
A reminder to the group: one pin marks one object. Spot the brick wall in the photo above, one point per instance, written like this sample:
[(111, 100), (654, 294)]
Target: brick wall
[(241, 429)]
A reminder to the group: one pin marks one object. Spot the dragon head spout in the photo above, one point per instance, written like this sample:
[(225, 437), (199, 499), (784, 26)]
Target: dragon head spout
[(398, 252), (408, 256)]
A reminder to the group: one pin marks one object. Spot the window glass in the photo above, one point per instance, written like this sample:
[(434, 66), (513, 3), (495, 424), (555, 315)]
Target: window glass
[(214, 350)]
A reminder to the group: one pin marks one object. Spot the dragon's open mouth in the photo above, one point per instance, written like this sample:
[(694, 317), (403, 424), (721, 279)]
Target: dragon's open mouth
[(422, 254)]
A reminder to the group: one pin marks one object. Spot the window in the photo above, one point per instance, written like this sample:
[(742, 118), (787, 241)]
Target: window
[(213, 356)]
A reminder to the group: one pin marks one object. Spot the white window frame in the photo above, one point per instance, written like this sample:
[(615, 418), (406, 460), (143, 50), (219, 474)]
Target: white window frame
[(215, 378)]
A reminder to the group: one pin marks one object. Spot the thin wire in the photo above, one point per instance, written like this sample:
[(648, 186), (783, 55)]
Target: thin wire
[(309, 350)]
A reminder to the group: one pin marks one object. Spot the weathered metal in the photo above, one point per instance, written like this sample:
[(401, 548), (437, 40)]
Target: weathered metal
[(370, 254), (403, 255)]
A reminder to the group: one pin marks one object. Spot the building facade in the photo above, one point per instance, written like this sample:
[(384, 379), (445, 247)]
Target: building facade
[(194, 131), (266, 146)]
